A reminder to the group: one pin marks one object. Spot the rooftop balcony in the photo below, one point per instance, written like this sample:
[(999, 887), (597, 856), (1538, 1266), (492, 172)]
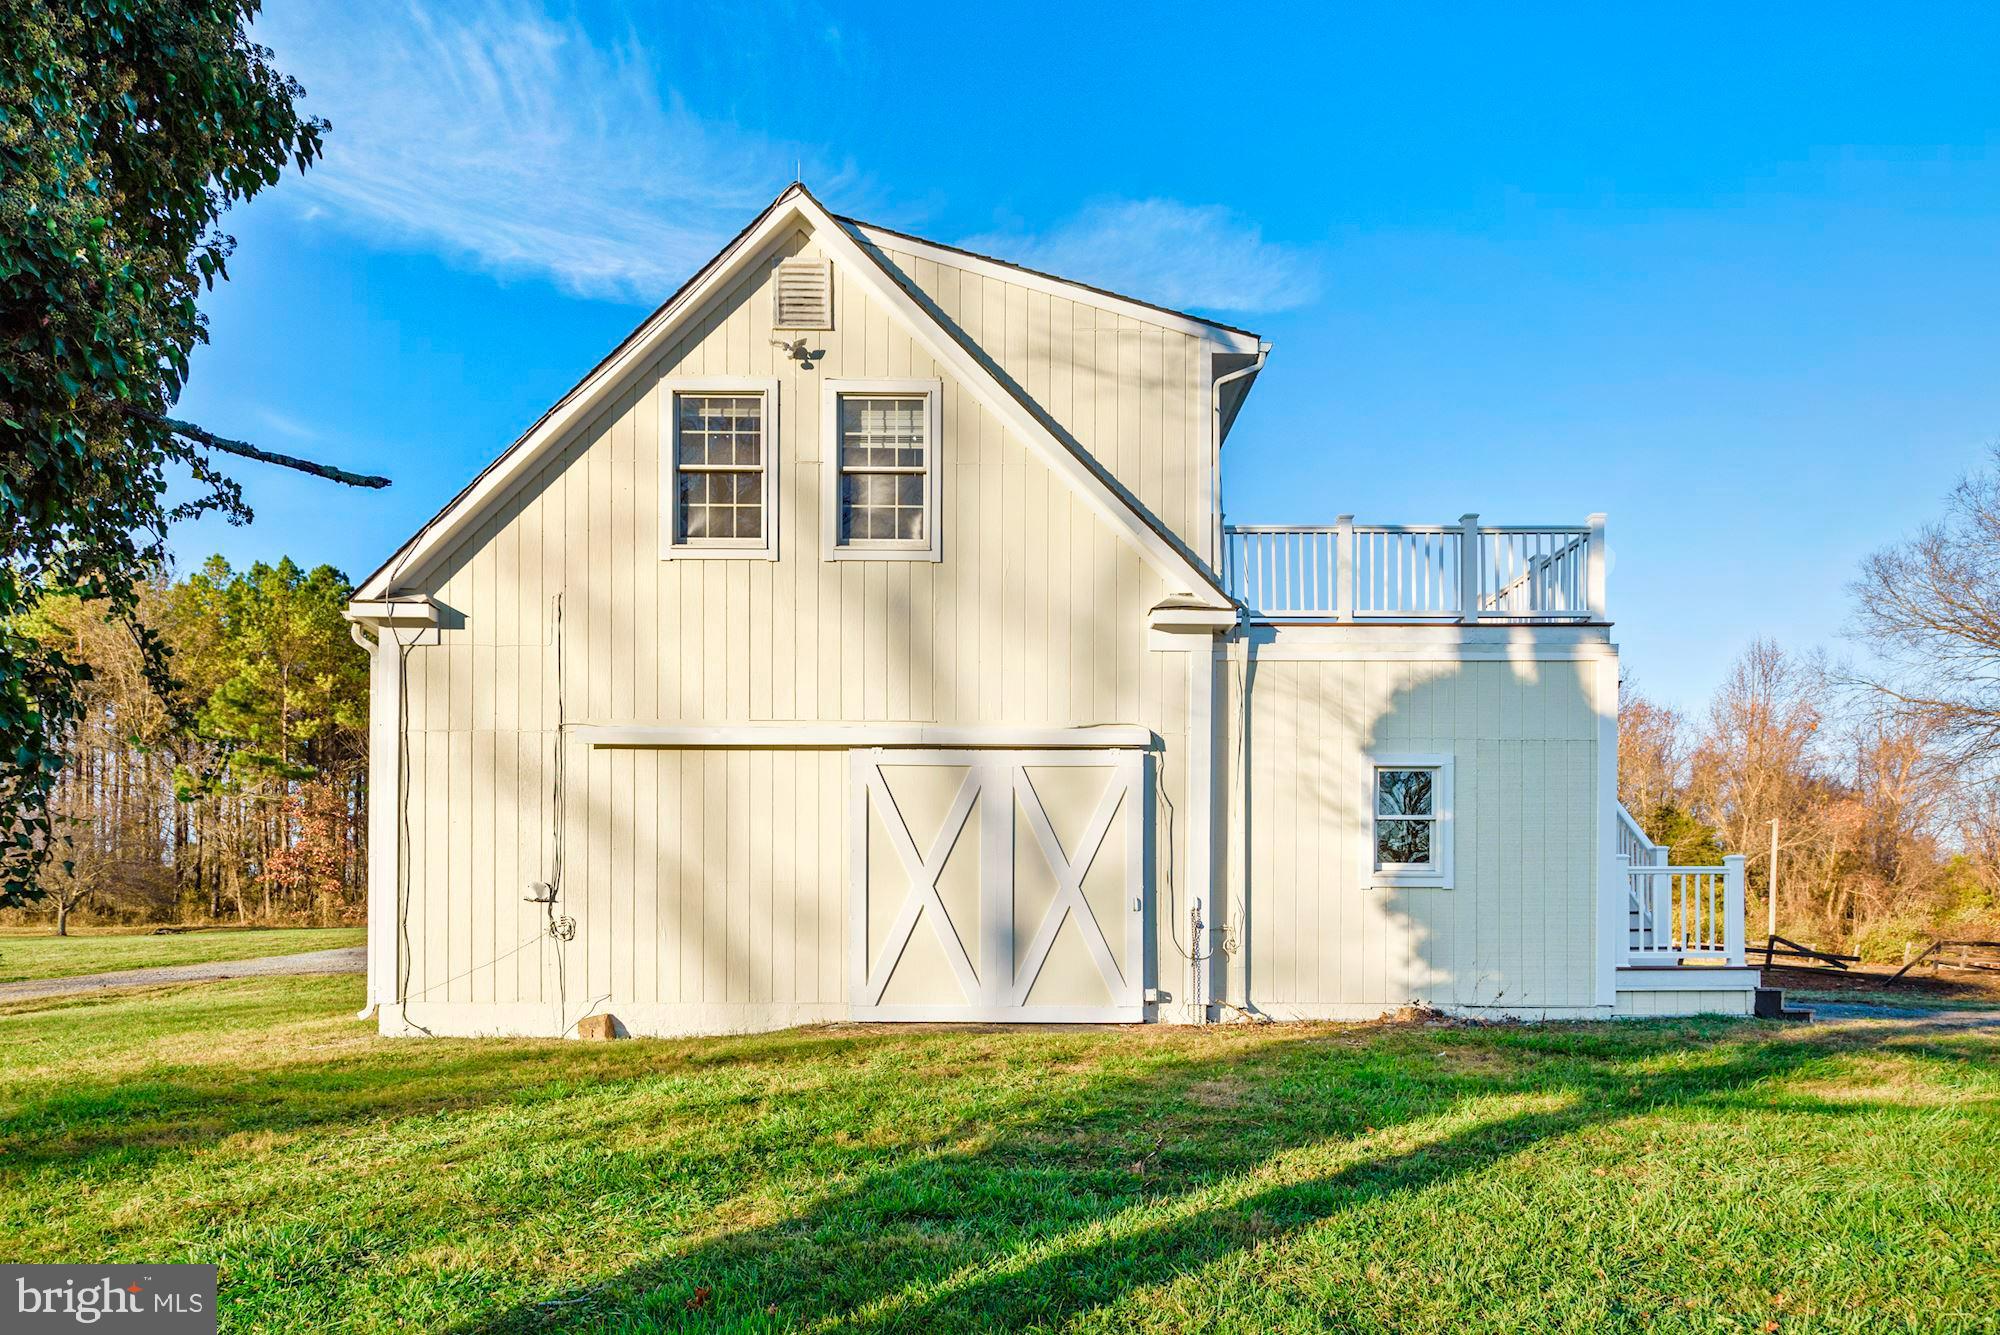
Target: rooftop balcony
[(1465, 572)]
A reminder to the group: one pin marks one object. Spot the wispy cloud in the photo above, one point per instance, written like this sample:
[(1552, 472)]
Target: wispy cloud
[(525, 143), (286, 424), (519, 142), (1198, 256)]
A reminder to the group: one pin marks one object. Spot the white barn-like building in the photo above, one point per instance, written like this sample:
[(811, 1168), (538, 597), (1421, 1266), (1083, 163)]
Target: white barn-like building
[(861, 640)]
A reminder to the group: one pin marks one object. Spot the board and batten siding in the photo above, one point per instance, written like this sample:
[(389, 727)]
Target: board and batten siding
[(1516, 930), (708, 887), (1132, 392)]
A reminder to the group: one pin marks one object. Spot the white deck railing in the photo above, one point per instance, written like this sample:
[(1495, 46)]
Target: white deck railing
[(1676, 913), (1693, 913), (1428, 572), (1636, 849), (1634, 843)]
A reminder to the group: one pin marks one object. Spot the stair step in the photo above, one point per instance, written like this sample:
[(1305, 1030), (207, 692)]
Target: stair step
[(1770, 1005)]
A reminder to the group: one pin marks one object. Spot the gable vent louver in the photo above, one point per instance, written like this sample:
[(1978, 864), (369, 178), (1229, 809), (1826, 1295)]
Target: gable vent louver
[(804, 295)]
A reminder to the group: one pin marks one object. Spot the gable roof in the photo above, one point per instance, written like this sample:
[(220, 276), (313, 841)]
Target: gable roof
[(937, 336)]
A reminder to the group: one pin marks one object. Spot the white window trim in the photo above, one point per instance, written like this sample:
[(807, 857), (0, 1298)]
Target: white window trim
[(879, 549), (725, 549), (1443, 837)]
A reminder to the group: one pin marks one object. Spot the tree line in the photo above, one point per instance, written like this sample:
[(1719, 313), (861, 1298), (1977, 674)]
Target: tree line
[(238, 793), (1882, 772), (127, 131)]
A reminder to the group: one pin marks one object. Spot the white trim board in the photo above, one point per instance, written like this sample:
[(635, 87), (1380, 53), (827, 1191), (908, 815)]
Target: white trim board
[(795, 208), (978, 1014), (1442, 653), (1688, 978), (393, 612), (1370, 1010), (841, 736), (1516, 644), (1613, 889), (648, 1019)]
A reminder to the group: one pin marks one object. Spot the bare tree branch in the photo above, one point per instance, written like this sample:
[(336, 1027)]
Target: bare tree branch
[(203, 436)]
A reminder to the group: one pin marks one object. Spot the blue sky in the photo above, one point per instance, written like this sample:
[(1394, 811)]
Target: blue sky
[(1732, 276)]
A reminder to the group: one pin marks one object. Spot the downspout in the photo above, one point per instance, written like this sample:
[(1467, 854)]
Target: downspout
[(371, 647), (1233, 935)]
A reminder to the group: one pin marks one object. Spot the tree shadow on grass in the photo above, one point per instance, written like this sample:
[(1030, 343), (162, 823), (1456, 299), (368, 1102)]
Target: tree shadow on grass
[(1081, 1197), (162, 1112)]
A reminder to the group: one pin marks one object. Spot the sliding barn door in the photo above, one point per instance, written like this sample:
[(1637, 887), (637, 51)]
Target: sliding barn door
[(998, 885)]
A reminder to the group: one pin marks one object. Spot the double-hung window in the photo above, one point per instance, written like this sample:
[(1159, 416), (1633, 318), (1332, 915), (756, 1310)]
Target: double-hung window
[(1410, 836), (881, 451), (719, 444)]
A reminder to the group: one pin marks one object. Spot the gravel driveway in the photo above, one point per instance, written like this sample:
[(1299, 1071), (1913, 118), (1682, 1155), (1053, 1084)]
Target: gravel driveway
[(347, 959), (1928, 1017)]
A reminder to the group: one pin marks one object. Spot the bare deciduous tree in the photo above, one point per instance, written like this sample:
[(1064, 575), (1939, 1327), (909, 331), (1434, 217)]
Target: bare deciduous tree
[(1929, 608), (1652, 752), (1760, 754)]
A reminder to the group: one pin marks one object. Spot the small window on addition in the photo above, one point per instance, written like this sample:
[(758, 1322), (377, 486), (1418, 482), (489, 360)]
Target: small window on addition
[(882, 470), (1410, 837), (720, 442)]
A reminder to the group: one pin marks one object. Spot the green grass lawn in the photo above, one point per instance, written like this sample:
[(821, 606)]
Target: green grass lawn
[(1708, 1175), (44, 956)]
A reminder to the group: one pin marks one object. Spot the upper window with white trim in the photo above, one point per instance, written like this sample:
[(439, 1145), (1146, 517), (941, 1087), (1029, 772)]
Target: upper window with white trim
[(719, 495), (881, 459), (1410, 834)]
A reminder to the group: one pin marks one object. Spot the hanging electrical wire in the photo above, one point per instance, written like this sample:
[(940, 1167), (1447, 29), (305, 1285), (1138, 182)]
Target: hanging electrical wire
[(497, 959), (559, 929)]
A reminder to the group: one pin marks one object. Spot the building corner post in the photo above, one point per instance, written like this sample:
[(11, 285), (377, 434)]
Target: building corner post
[(385, 805), (1594, 577), (1201, 788), (1612, 887)]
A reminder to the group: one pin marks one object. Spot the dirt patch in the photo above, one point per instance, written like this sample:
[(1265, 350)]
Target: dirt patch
[(1871, 981), (1225, 1092), (1414, 1014), (1475, 1061)]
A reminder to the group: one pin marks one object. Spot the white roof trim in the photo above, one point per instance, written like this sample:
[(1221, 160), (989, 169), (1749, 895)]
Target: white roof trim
[(1197, 619), (796, 206), (839, 736), (1222, 337), (393, 611)]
